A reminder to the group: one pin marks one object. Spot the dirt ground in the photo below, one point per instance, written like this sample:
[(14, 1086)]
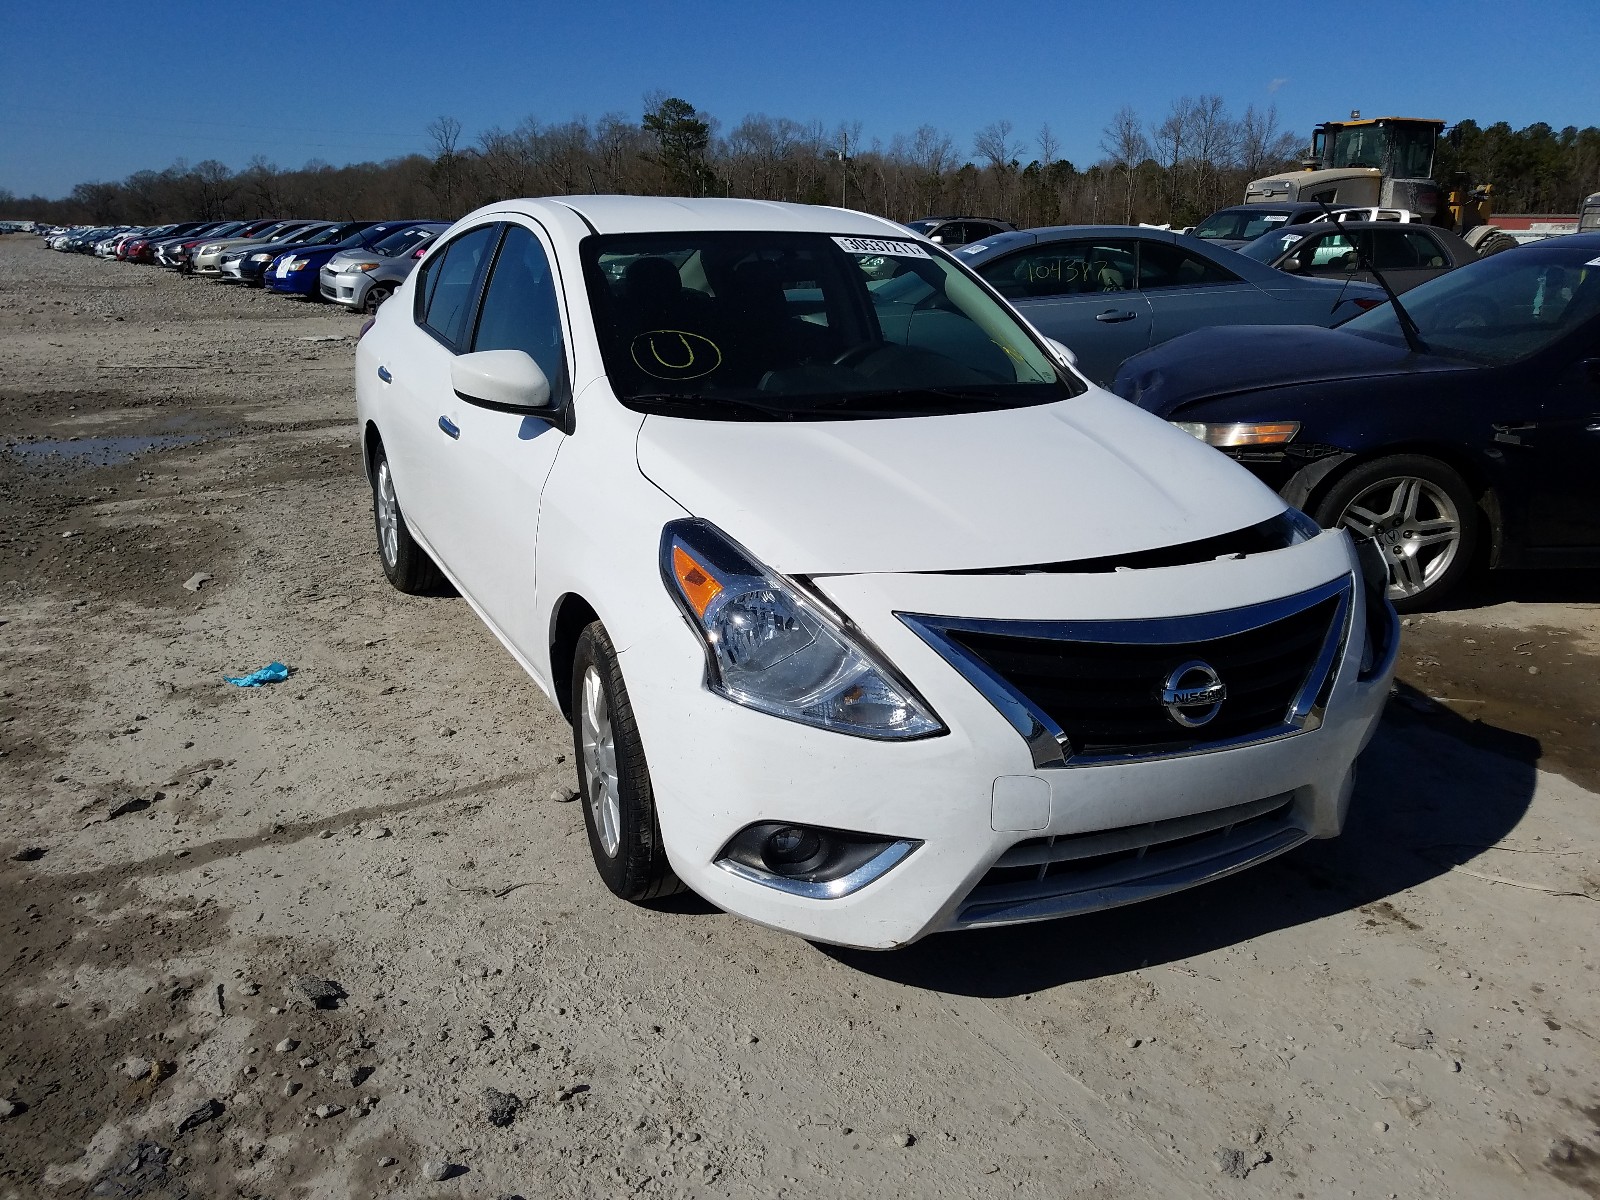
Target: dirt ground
[(334, 937)]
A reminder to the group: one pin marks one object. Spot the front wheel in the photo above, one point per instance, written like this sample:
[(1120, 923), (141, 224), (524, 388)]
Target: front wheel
[(1421, 515), (376, 295), (619, 807)]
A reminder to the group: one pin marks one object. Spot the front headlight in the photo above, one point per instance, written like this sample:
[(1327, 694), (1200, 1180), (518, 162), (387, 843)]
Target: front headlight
[(262, 257), (771, 647), (298, 264), (359, 266), (1241, 433)]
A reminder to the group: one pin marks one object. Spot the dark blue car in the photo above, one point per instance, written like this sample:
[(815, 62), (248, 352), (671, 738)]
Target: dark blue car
[(294, 272), (1477, 427)]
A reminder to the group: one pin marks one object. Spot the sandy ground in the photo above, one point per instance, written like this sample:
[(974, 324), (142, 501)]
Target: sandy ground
[(185, 867)]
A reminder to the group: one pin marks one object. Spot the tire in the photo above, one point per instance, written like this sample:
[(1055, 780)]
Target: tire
[(1495, 243), (405, 563), (376, 295), (1422, 515), (619, 807)]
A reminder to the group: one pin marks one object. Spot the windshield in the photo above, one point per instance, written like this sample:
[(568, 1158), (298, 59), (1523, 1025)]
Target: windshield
[(923, 227), (1240, 224), (1497, 310), (773, 326), (331, 236), (1267, 249), (398, 244)]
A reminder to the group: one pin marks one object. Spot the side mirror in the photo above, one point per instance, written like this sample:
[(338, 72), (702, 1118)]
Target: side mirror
[(1063, 350), (505, 380), (1295, 264)]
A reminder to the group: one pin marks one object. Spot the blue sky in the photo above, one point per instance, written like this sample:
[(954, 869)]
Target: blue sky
[(96, 89)]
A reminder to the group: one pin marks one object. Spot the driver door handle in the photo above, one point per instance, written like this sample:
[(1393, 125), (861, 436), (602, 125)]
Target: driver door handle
[(383, 374), (1111, 316), (449, 428)]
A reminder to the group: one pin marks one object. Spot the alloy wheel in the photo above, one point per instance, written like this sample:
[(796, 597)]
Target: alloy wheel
[(1415, 524), (600, 764), (388, 516)]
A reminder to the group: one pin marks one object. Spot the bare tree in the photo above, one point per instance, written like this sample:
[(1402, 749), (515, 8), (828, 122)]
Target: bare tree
[(1263, 147), (1124, 143)]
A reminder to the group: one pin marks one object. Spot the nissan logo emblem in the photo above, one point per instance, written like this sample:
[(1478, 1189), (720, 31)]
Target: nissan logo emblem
[(1193, 694)]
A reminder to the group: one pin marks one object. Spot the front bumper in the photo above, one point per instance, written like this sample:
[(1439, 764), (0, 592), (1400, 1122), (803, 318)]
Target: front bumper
[(999, 840), (344, 287)]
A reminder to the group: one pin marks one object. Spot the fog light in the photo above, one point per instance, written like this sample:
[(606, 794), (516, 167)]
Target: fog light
[(794, 851), (810, 861)]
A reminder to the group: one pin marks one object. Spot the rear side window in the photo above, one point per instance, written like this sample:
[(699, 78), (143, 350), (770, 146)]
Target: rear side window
[(1165, 266), (520, 309), (450, 285)]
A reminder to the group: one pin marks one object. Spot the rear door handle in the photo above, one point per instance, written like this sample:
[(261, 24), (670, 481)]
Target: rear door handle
[(451, 429), (1111, 316), (383, 374)]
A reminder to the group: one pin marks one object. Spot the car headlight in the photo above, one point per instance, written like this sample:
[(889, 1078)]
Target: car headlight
[(262, 257), (1241, 433), (771, 647), (209, 249), (360, 266), (298, 264)]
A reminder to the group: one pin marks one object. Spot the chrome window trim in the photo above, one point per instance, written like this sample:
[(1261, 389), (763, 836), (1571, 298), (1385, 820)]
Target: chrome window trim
[(1048, 743)]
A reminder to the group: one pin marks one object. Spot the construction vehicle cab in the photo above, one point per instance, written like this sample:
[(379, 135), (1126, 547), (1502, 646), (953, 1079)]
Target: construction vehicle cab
[(1589, 215), (1384, 162)]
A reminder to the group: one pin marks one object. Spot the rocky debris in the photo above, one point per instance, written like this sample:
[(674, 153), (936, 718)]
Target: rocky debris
[(136, 804), (196, 581), (143, 1173), (500, 1107), (137, 1068), (324, 993), (10, 1108), (285, 1046), (347, 1075), (387, 1161), (900, 1139), (28, 854), (291, 1088), (1236, 1163), (564, 795), (1414, 1039), (437, 1170), (209, 1111), (324, 1111), (375, 832)]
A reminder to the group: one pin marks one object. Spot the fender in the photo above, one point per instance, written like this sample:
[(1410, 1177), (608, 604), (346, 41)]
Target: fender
[(1309, 477)]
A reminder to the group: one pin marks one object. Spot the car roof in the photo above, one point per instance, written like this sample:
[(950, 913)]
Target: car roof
[(674, 214)]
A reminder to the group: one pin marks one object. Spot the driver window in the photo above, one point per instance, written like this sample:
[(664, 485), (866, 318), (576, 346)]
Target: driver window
[(1063, 269), (520, 310)]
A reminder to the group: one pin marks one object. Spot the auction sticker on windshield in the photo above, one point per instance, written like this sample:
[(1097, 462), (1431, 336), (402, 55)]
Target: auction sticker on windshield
[(857, 245)]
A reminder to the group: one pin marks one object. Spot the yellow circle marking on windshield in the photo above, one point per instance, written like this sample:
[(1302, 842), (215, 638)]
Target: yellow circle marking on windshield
[(675, 354)]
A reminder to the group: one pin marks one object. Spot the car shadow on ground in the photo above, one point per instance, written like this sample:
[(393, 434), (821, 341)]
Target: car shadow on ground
[(1434, 791)]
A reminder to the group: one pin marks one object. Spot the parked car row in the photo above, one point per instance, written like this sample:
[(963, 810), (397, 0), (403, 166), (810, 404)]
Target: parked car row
[(354, 263)]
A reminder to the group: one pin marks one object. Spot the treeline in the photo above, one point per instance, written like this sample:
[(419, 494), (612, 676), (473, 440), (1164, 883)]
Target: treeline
[(1193, 160)]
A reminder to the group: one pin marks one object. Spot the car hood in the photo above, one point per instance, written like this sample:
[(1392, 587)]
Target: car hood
[(1230, 360), (1083, 478)]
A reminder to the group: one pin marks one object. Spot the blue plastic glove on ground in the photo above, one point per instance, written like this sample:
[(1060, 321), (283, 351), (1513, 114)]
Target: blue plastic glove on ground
[(271, 673)]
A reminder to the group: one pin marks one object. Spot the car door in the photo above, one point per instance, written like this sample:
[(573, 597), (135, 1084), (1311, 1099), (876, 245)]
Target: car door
[(422, 439), (499, 462), (1188, 291), (1406, 257), (1081, 293), (1555, 444)]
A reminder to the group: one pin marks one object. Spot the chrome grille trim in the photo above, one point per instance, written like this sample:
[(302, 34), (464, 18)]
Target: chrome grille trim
[(1049, 744), (1155, 860)]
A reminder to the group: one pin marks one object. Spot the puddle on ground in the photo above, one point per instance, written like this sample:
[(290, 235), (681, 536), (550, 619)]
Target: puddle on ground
[(98, 452)]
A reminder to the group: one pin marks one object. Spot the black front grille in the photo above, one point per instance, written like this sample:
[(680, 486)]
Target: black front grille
[(1105, 695)]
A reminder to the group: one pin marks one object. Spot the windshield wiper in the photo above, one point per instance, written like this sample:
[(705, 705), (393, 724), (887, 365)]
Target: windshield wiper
[(1408, 327)]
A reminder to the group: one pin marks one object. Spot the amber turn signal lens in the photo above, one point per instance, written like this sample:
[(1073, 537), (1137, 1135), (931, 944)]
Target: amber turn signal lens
[(699, 587)]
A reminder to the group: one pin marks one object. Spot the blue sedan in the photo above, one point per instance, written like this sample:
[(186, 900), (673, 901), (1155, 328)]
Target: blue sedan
[(1478, 423), (1109, 291), (295, 272)]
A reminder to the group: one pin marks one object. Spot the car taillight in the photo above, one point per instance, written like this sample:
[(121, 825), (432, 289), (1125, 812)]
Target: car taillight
[(1366, 302)]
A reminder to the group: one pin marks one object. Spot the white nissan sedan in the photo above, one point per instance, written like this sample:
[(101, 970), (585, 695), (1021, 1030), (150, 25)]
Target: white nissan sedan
[(871, 617)]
